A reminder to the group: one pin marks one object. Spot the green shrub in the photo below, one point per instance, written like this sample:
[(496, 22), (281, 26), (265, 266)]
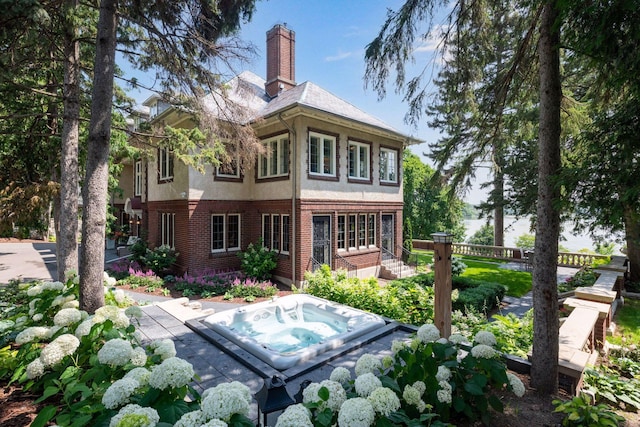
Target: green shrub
[(160, 259), (580, 412), (514, 334), (477, 295), (258, 261), (149, 281), (457, 266)]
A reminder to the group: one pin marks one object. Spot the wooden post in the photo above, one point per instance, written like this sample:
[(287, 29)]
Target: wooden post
[(442, 264)]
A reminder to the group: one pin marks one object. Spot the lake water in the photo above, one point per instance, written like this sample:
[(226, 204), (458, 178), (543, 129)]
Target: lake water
[(515, 228)]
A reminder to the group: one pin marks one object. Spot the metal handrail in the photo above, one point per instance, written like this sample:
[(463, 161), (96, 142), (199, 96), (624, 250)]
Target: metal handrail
[(315, 264), (408, 257), (352, 269)]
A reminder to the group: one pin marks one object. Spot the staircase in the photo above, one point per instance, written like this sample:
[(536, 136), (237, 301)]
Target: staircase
[(393, 267)]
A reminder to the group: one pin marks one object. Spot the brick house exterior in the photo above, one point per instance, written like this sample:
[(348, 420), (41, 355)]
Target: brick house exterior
[(330, 193)]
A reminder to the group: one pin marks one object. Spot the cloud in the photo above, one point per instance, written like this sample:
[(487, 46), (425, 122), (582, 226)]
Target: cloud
[(339, 57)]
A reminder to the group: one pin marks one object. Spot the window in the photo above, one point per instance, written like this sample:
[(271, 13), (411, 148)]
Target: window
[(276, 163), (165, 164), (167, 228), (228, 167), (225, 232), (275, 240), (276, 232), (342, 232), (322, 154), (359, 160), (362, 230), (372, 229), (388, 165), (352, 231), (137, 178), (286, 232), (266, 231)]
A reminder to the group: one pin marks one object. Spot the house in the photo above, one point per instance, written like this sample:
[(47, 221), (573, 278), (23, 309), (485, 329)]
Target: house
[(329, 193)]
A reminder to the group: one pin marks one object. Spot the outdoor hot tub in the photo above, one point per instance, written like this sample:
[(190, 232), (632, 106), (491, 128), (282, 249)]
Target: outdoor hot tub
[(292, 329)]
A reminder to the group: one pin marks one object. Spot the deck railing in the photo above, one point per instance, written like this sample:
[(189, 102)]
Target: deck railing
[(565, 259)]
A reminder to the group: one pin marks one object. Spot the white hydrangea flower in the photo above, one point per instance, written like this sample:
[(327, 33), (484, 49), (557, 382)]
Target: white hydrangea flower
[(165, 348), (243, 389), (483, 351), (110, 281), (138, 356), (141, 375), (31, 333), (384, 401), (428, 333), (442, 341), (84, 328), (119, 393), (295, 416), (387, 361), (24, 285), (356, 412), (74, 304), (133, 311), (53, 330), (368, 363), (37, 317), (113, 313), (457, 339), (222, 402), (67, 316), (340, 375), (215, 423), (54, 286), (397, 345), (444, 394), (172, 372), (5, 325), (486, 338), (35, 369), (420, 386), (366, 383), (149, 415), (34, 290), (516, 384), (58, 349), (411, 395), (21, 320), (337, 395), (115, 352), (191, 419), (443, 374), (32, 305)]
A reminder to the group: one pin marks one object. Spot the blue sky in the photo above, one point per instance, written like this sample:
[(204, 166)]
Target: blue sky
[(331, 37)]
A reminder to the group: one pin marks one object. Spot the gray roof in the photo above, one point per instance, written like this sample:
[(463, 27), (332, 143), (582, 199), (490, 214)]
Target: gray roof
[(248, 90)]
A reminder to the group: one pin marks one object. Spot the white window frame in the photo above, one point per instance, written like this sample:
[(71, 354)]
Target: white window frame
[(273, 231), (362, 230), (352, 219), (137, 178), (165, 161), (286, 236), (225, 233), (323, 141), (391, 166), (371, 230), (362, 167), (167, 229), (342, 230), (278, 158)]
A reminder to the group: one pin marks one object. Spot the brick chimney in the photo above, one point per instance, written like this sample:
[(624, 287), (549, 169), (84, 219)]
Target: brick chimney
[(281, 73)]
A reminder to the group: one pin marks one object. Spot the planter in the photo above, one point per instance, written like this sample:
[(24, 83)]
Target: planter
[(110, 244)]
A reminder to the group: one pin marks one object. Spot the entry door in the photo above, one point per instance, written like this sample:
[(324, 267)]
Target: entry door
[(388, 233), (322, 239)]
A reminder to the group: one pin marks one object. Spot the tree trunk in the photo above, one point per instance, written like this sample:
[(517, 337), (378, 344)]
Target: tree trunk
[(67, 237), (498, 200), (95, 188), (632, 236), (544, 365)]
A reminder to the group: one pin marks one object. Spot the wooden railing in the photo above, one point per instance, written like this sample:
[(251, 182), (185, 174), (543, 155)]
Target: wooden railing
[(565, 259)]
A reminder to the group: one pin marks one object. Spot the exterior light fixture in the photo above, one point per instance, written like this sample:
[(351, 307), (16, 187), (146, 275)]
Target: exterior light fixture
[(442, 237), (272, 397)]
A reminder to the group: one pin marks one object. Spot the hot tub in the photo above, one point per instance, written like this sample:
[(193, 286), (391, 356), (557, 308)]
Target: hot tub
[(292, 329)]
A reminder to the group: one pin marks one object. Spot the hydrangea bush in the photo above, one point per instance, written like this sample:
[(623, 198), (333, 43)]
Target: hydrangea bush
[(93, 370), (427, 381)]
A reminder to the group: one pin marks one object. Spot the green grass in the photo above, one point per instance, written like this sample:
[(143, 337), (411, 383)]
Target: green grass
[(517, 282), (627, 320)]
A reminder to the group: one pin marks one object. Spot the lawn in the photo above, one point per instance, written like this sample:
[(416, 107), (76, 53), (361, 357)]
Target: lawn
[(627, 321), (517, 282)]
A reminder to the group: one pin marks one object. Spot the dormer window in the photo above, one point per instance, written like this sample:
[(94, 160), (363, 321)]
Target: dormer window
[(153, 110)]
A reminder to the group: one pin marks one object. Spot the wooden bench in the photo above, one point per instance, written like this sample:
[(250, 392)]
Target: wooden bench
[(604, 316), (577, 331)]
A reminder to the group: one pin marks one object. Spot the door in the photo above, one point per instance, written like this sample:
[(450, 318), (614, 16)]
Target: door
[(387, 233), (322, 239)]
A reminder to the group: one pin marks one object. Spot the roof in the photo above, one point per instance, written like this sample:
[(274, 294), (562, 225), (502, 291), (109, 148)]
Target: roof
[(247, 90)]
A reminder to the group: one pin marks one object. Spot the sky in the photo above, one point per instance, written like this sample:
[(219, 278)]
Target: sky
[(331, 37)]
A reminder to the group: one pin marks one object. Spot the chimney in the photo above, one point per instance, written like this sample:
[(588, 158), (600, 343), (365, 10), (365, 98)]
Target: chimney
[(281, 73)]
